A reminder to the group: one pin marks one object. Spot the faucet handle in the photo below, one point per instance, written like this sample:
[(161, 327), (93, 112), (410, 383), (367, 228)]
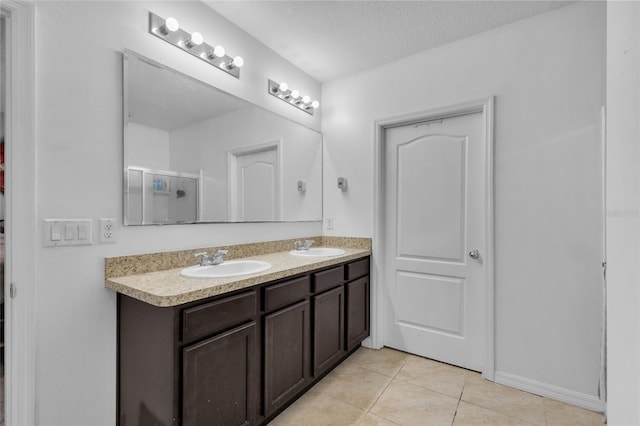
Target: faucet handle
[(308, 243), (218, 257), (204, 257), (221, 252)]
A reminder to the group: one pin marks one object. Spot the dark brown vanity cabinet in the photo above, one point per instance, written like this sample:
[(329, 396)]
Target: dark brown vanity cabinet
[(329, 314), (219, 376), (287, 342), (357, 310), (188, 365), (239, 358)]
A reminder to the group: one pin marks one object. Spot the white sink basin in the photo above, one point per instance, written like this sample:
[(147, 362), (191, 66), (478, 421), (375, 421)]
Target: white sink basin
[(230, 268), (318, 252)]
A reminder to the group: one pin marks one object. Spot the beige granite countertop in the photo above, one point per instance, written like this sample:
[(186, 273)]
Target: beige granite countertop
[(169, 288)]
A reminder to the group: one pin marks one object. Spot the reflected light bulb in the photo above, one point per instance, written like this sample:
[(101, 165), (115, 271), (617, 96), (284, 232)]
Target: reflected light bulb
[(306, 99), (170, 25), (295, 94), (315, 104), (283, 87)]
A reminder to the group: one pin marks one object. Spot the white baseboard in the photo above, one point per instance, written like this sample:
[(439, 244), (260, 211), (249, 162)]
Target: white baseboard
[(578, 399)]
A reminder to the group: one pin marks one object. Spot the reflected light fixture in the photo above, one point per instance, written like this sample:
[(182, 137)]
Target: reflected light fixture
[(292, 97), (169, 30)]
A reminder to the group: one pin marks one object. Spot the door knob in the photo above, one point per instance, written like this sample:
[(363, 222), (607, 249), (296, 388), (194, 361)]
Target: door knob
[(474, 254)]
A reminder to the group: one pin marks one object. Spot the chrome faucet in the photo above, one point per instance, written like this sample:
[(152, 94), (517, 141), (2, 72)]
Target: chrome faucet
[(303, 245), (216, 259)]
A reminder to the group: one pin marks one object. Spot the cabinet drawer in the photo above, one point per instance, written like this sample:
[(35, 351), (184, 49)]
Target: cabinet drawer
[(279, 295), (328, 279), (357, 269), (211, 317)]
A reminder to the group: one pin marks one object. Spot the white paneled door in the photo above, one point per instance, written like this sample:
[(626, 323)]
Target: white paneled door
[(435, 237), (258, 185)]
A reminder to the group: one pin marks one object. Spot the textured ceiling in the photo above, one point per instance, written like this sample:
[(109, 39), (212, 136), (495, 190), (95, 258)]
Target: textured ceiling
[(331, 39)]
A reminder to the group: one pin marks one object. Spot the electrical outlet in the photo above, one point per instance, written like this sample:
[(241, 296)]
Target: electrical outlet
[(108, 230)]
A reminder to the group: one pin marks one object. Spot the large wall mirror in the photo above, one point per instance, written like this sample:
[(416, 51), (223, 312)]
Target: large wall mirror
[(193, 153)]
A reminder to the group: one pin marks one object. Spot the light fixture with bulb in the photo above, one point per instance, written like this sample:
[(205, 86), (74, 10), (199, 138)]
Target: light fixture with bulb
[(169, 30), (292, 97), (196, 39)]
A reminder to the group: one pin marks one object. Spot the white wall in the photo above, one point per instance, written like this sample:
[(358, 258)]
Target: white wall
[(548, 76), (149, 147), (623, 213), (79, 175), (213, 139)]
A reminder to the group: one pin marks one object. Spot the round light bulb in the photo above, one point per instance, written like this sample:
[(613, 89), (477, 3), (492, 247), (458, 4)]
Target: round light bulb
[(196, 39), (171, 24), (283, 87), (315, 104), (295, 94), (218, 51), (306, 99), (238, 62)]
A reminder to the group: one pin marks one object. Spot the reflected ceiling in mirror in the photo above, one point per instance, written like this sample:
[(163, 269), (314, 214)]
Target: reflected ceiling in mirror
[(193, 153)]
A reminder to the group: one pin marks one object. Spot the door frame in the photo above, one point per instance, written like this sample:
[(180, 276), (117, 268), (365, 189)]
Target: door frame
[(486, 107), (232, 169), (20, 240)]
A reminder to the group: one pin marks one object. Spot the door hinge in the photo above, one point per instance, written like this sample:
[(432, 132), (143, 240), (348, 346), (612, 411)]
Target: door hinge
[(604, 269), (12, 291)]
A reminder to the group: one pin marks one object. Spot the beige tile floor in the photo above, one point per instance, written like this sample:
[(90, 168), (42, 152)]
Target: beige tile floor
[(388, 387)]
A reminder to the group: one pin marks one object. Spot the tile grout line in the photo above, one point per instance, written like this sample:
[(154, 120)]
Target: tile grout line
[(383, 390), (368, 410), (466, 377)]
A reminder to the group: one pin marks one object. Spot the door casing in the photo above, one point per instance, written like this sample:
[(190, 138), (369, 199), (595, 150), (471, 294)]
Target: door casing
[(484, 106), (20, 236)]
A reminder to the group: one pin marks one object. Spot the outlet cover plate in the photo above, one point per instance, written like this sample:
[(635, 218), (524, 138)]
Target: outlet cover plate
[(108, 230)]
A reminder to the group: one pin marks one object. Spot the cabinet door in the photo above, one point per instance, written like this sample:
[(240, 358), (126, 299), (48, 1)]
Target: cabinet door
[(219, 379), (287, 354), (357, 311), (328, 327)]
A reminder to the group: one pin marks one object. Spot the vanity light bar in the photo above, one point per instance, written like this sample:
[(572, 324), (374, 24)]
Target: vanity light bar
[(169, 30), (292, 97)]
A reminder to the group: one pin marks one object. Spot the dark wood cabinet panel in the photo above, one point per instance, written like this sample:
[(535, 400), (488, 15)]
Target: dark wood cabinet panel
[(357, 311), (357, 269), (208, 318), (239, 358), (147, 393), (328, 330), (283, 294), (287, 353), (328, 279), (219, 379)]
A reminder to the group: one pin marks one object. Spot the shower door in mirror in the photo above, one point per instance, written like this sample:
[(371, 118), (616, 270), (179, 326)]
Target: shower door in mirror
[(160, 197)]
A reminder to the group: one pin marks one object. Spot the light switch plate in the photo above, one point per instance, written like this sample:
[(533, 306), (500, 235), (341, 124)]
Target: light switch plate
[(67, 232)]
